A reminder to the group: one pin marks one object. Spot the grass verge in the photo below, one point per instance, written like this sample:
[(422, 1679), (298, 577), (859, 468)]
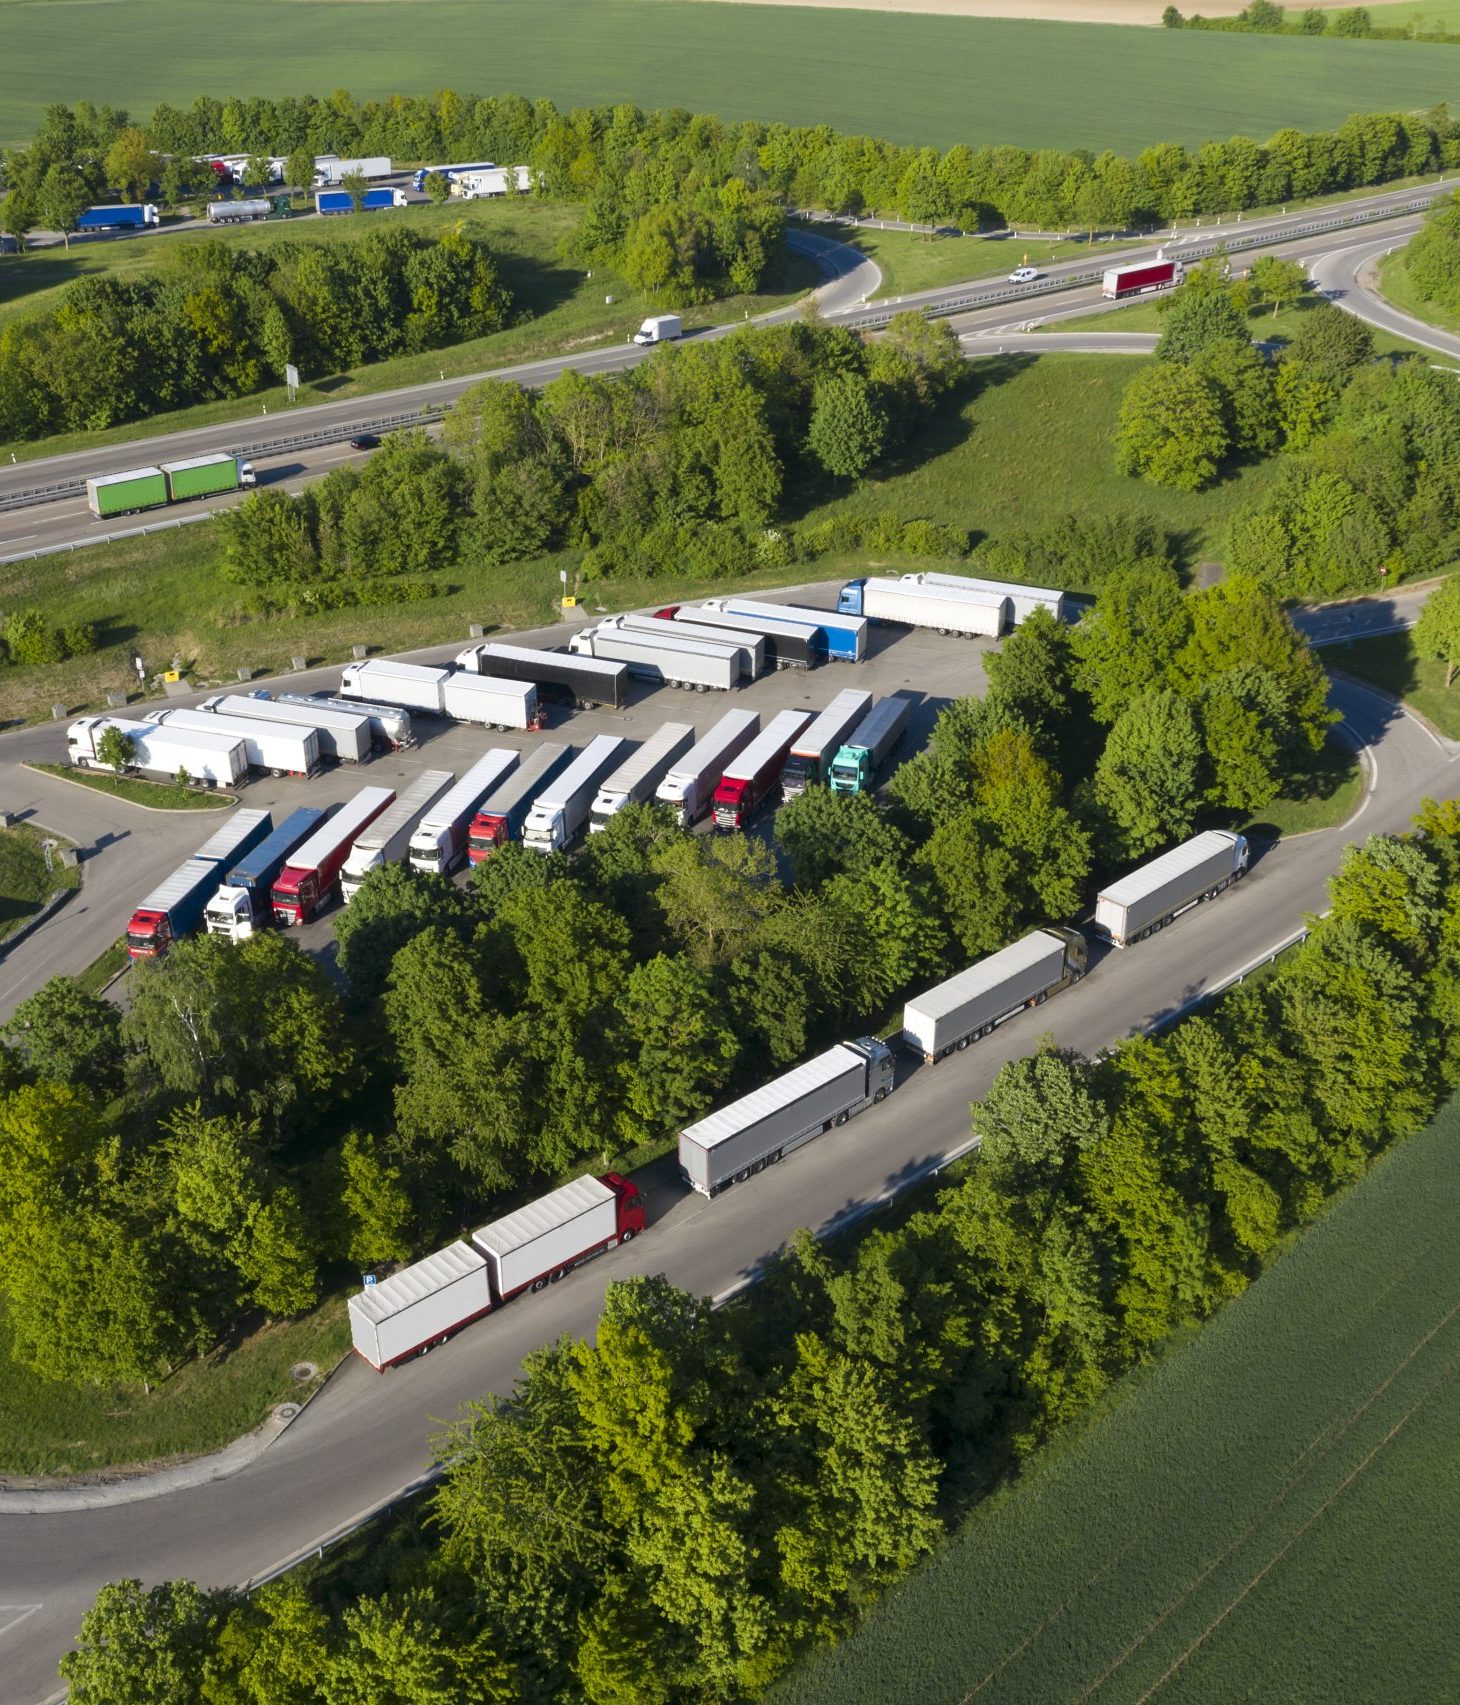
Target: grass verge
[(103, 968), (1266, 1512), (49, 1427), (25, 883), (155, 795), (911, 261), (1397, 288), (1327, 795), (1390, 661)]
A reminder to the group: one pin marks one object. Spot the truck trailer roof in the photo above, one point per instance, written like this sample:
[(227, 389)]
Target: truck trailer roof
[(770, 1098), (515, 1231), (417, 798), (778, 733), (178, 885), (1150, 877), (584, 769), (463, 799), (433, 1273), (225, 842), (987, 974), (351, 817)]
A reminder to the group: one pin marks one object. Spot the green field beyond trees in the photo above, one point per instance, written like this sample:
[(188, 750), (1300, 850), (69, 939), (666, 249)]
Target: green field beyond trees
[(908, 78), (1269, 1513)]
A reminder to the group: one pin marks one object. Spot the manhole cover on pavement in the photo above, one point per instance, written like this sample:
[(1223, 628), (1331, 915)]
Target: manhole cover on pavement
[(286, 1412), (302, 1372)]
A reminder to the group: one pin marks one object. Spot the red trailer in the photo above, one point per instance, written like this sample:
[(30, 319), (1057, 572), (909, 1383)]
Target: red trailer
[(749, 779), (1121, 281), (308, 881)]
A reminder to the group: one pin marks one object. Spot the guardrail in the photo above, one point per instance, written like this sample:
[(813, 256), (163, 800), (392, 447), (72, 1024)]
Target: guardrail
[(109, 538)]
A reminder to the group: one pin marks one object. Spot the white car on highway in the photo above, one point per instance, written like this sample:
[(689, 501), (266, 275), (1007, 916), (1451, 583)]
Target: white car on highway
[(1024, 275)]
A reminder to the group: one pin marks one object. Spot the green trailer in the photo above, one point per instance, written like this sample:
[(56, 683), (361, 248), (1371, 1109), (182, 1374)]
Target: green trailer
[(121, 494), (201, 476)]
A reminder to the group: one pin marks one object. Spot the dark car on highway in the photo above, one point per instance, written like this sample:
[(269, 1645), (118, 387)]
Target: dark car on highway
[(366, 441)]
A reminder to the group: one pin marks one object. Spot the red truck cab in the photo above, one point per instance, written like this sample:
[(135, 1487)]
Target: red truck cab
[(630, 1204), (295, 896), (489, 831), (733, 802), (669, 612), (148, 934)]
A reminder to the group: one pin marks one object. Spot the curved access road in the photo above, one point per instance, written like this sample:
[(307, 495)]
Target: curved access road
[(366, 1437), (1350, 275)]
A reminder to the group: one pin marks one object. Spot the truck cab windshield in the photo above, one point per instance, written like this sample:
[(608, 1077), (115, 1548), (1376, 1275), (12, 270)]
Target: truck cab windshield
[(141, 941)]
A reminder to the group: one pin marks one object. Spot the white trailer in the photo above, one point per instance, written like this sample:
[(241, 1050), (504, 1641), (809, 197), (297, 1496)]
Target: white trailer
[(559, 814), (787, 645), (274, 747), (490, 181), (410, 684), (548, 1235), (439, 842), (388, 839), (846, 634), (344, 736), (970, 1005), (669, 661), (422, 1305), (1151, 896), (636, 778), (947, 609), (390, 726), (331, 169), (1023, 600), (691, 783), (750, 1134), (216, 757), (750, 646), (816, 747), (490, 701)]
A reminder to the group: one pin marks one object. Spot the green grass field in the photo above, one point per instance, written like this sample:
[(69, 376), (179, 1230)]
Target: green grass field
[(1395, 286), (25, 883), (908, 78), (1420, 17), (1269, 1513), (50, 1427), (567, 309), (1390, 662), (911, 262)]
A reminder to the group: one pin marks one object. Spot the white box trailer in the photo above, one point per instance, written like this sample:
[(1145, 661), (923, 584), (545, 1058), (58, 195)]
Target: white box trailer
[(787, 645), (422, 1305), (636, 778), (969, 1005), (344, 736), (548, 1235), (750, 1134), (331, 169), (559, 814), (439, 842), (490, 181), (668, 661), (813, 750), (388, 839), (271, 746), (946, 609), (690, 784), (490, 701), (750, 646), (218, 758), (1023, 600), (413, 685), (1156, 892)]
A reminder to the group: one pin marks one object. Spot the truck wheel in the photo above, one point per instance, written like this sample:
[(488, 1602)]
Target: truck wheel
[(742, 1175), (556, 1274), (757, 1166), (628, 1236), (962, 1043), (538, 1285), (842, 1118), (276, 774), (1041, 997), (881, 1095), (771, 1159)]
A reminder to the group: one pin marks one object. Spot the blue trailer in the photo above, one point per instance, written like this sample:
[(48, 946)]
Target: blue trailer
[(341, 201), (845, 634), (118, 218), (242, 903)]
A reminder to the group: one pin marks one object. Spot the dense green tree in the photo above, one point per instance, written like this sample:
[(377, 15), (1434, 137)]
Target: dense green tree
[(394, 903), (823, 833), (1171, 430), (61, 199), (377, 1207), (512, 868), (132, 165), (1148, 779), (1281, 282), (978, 882), (848, 429), (1437, 632), (680, 1045), (69, 1036), (1196, 318), (714, 893), (1130, 641), (145, 1645)]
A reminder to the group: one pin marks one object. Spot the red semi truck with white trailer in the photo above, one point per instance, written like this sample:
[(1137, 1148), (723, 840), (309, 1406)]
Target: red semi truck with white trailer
[(1140, 280), (750, 779), (305, 885), (424, 1305)]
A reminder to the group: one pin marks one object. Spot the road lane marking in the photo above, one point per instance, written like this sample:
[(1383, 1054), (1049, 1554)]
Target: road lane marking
[(12, 1615)]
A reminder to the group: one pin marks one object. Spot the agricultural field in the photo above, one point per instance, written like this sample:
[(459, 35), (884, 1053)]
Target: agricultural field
[(908, 78), (1266, 1513)]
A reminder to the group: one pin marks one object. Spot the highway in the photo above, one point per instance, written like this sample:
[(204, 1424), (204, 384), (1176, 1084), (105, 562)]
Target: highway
[(365, 1437)]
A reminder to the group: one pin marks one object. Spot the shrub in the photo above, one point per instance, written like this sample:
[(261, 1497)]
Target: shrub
[(30, 639)]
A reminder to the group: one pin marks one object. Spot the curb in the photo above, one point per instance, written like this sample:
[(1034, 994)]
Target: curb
[(121, 798)]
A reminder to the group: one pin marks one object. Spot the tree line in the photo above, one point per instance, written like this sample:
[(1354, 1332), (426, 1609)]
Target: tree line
[(1263, 17), (1432, 256), (223, 320), (684, 1507), (248, 1128)]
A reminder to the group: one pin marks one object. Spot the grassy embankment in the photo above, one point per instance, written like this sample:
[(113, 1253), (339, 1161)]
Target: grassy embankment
[(1396, 287), (1390, 662), (25, 883), (1266, 1512), (155, 795), (565, 309), (909, 78), (912, 261)]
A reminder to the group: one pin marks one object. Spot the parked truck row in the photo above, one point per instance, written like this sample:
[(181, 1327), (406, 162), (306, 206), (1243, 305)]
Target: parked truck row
[(960, 604)]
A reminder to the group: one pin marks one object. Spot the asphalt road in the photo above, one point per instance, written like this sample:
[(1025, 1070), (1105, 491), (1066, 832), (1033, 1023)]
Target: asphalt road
[(366, 1437)]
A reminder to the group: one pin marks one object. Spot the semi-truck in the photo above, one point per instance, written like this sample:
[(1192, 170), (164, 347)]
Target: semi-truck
[(1140, 279), (808, 763), (502, 813), (689, 788), (439, 842), (670, 661), (845, 633), (486, 182), (341, 201), (429, 1302), (860, 761), (636, 778), (1159, 891), (216, 758), (388, 839), (136, 218), (1023, 600), (173, 482), (307, 882), (913, 603), (331, 169), (558, 675), (559, 814), (242, 905), (239, 212), (967, 1007), (415, 686), (175, 907), (344, 736), (744, 1138), (491, 701), (450, 173), (659, 328), (273, 747), (390, 725), (749, 647), (788, 645), (750, 778)]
